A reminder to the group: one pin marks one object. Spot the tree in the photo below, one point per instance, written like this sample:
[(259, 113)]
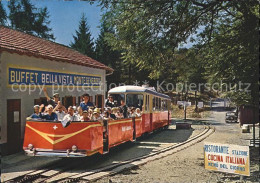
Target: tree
[(41, 25), (83, 42), (232, 53), (225, 32), (108, 56), (24, 16), (3, 16), (123, 72), (190, 70)]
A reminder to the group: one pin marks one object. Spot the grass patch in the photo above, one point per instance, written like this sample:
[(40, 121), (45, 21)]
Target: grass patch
[(190, 112)]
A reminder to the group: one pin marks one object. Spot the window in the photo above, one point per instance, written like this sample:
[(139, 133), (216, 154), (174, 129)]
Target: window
[(154, 103), (147, 103), (157, 103), (166, 105), (117, 98), (134, 100)]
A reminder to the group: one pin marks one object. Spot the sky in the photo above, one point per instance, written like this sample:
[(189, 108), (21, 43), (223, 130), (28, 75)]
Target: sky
[(65, 17)]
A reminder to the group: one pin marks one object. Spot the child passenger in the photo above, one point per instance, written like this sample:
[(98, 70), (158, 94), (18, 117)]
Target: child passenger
[(85, 116)]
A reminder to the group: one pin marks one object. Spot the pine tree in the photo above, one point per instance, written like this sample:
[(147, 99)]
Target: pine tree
[(83, 42), (106, 55), (24, 16), (3, 15), (41, 25), (123, 72)]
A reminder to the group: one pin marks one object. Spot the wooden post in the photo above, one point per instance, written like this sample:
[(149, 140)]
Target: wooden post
[(241, 178), (184, 110)]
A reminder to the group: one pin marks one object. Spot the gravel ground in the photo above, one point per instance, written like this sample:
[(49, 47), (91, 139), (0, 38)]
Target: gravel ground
[(188, 165)]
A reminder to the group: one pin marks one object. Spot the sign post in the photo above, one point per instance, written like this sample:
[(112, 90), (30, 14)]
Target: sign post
[(227, 158), (184, 104)]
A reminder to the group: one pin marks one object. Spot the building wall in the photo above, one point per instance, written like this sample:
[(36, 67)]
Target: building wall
[(27, 98)]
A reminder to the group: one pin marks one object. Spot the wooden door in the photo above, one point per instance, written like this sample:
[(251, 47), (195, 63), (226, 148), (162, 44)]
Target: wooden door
[(14, 141)]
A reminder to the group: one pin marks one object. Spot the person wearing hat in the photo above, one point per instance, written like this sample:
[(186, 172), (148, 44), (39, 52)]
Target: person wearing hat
[(96, 115), (36, 114), (85, 116), (54, 101), (85, 104)]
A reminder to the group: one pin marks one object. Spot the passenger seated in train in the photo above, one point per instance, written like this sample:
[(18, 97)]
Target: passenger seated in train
[(79, 112), (110, 102), (60, 110), (96, 115), (85, 116), (90, 113), (116, 112), (131, 112), (138, 112), (68, 118), (36, 114), (111, 115), (106, 116), (50, 115), (123, 108), (85, 104)]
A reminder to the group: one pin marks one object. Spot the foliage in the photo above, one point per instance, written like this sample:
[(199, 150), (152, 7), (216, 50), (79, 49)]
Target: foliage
[(108, 56), (232, 53), (25, 17), (238, 98), (3, 16), (41, 24), (83, 41), (225, 34), (124, 72), (189, 67)]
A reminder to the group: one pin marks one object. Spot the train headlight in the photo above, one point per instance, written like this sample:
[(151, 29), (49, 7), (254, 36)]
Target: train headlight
[(30, 147), (74, 148)]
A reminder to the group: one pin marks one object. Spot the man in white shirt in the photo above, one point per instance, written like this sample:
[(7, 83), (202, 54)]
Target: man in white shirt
[(68, 118), (60, 113)]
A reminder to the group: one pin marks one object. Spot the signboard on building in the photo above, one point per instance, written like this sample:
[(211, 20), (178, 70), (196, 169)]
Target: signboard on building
[(227, 158), (36, 76)]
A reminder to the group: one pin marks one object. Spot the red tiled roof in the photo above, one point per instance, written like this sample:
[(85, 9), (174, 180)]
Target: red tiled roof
[(18, 42)]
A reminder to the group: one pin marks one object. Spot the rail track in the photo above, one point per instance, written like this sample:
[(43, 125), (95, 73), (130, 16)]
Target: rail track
[(57, 172)]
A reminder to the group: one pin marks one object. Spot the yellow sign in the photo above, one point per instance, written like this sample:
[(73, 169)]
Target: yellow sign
[(227, 158)]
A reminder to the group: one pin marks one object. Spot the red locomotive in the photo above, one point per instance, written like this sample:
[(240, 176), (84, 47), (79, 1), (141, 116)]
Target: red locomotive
[(50, 138)]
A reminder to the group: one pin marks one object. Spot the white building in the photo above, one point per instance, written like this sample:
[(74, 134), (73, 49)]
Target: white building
[(28, 64)]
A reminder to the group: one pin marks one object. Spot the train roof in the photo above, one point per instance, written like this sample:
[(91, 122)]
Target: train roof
[(137, 89)]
